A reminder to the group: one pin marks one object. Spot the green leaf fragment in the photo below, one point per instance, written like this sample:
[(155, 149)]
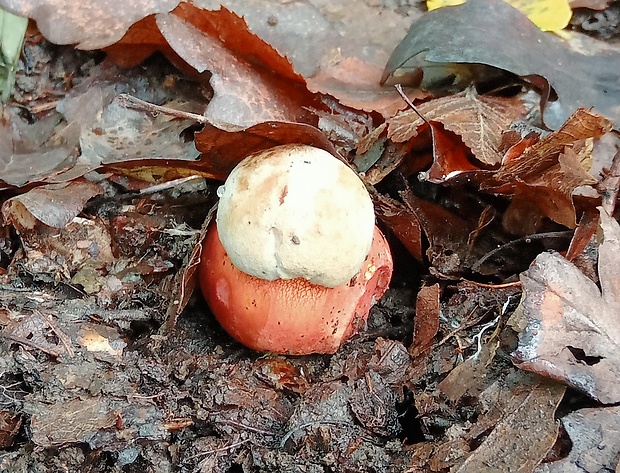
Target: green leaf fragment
[(12, 32)]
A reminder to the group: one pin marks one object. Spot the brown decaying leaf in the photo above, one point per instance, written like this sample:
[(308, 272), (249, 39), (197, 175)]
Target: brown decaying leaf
[(372, 401), (54, 205), (478, 120), (232, 31), (535, 159), (283, 376), (93, 119), (384, 156), (355, 83), (524, 426), (121, 134), (545, 175), (9, 428), (321, 50), (401, 221), (588, 225), (595, 447), (223, 150), (81, 248), (447, 234), (26, 154), (90, 24), (468, 37), (471, 377), (246, 89), (322, 41), (572, 333), (105, 341), (251, 81), (92, 420), (186, 279), (426, 321), (450, 157), (551, 194), (516, 422)]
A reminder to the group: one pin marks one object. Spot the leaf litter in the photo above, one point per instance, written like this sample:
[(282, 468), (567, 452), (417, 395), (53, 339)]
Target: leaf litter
[(109, 362)]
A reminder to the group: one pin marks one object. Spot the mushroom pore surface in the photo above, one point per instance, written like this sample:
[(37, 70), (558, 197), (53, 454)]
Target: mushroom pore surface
[(296, 211)]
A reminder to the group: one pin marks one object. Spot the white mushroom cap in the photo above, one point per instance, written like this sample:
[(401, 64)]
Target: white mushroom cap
[(295, 211)]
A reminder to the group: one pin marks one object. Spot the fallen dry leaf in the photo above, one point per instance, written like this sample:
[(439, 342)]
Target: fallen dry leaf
[(9, 428), (251, 82), (122, 134), (91, 127), (223, 150), (535, 159), (55, 205), (572, 331), (594, 434), (472, 377), (460, 44), (521, 410), (106, 340), (319, 39), (356, 83), (515, 428), (549, 195), (91, 24), (377, 157), (544, 174), (322, 41), (447, 234), (92, 421), (401, 221), (426, 322), (26, 152), (451, 158), (373, 403), (478, 120)]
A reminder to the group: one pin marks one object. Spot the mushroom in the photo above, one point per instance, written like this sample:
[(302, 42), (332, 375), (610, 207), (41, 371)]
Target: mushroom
[(294, 261)]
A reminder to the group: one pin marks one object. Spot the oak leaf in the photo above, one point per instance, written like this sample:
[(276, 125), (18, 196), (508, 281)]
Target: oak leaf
[(478, 120), (594, 434), (572, 332)]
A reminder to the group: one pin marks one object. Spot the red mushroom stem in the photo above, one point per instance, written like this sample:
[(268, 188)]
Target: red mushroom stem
[(292, 316)]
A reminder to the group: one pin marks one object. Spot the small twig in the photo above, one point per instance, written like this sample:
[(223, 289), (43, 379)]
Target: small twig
[(387, 353), (130, 101), (526, 239), (66, 342), (141, 396), (464, 326), (178, 423), (169, 185), (291, 432), (31, 344), (493, 286), (399, 89), (244, 427), (217, 450), (43, 107)]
